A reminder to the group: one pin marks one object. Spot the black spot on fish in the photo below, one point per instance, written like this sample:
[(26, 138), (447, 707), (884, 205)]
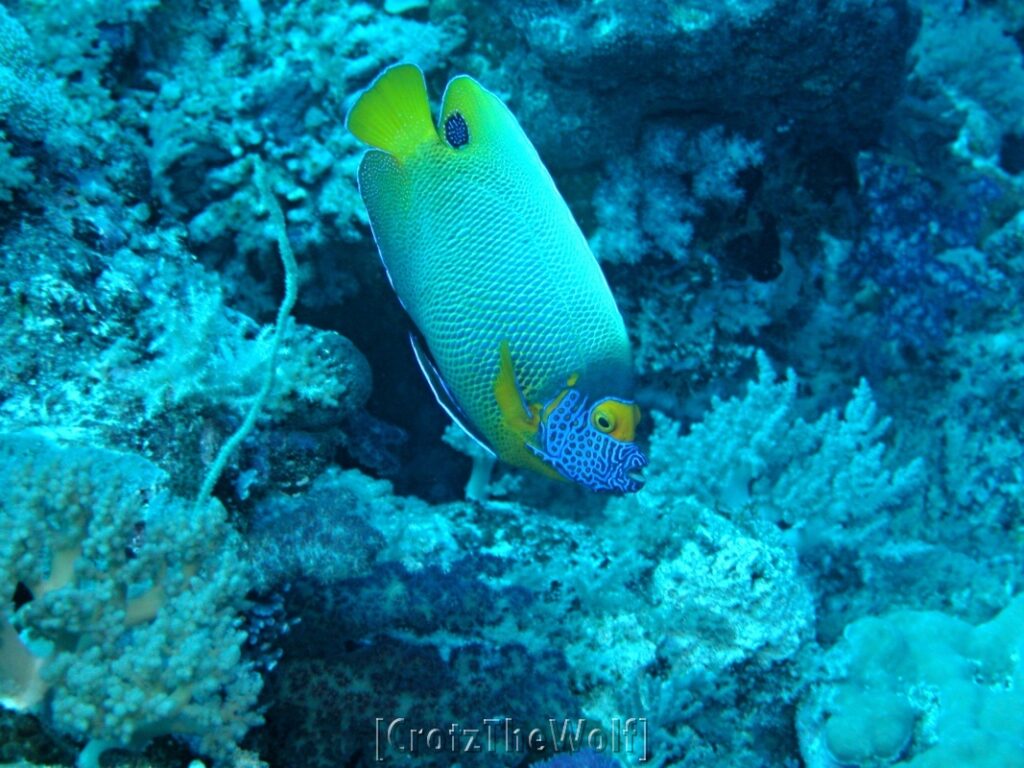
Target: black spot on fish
[(456, 131)]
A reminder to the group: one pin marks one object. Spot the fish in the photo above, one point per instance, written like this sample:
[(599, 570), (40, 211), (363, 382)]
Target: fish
[(517, 331)]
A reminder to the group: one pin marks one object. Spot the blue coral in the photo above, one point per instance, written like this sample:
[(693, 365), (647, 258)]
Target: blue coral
[(907, 248)]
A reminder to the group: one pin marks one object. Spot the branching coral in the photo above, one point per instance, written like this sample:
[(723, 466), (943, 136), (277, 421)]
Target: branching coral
[(986, 91), (648, 204), (30, 101), (756, 456)]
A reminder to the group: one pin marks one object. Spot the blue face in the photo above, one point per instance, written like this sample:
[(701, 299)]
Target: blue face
[(577, 450)]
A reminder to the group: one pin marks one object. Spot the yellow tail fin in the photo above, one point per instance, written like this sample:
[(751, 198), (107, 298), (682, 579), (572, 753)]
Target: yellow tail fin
[(393, 114)]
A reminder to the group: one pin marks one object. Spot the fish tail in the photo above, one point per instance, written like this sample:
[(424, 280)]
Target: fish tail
[(393, 114)]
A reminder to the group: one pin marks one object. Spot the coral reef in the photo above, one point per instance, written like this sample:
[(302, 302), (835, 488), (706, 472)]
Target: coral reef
[(755, 65), (126, 625), (649, 201), (812, 217), (919, 689), (581, 759), (709, 588), (916, 258)]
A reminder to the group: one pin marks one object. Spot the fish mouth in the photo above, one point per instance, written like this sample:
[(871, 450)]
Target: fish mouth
[(636, 479), (632, 472)]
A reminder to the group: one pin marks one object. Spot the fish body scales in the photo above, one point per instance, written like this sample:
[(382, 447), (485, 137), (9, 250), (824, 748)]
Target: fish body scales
[(500, 258), (482, 251)]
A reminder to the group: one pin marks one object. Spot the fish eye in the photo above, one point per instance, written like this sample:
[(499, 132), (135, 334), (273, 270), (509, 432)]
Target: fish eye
[(604, 421)]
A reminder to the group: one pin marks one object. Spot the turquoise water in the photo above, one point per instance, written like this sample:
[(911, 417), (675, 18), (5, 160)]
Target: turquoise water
[(238, 530)]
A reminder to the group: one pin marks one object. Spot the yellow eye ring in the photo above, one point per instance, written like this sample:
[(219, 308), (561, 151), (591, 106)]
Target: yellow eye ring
[(604, 421)]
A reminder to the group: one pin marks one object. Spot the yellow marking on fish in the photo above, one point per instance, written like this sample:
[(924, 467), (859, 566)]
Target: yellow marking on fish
[(616, 418), (520, 417)]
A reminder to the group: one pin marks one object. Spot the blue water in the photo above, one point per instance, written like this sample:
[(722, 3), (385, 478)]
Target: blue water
[(238, 530)]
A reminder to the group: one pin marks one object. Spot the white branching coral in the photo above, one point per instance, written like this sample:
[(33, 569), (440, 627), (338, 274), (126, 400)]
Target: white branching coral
[(756, 457)]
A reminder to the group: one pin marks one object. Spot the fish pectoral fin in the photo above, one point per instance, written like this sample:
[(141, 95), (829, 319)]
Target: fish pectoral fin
[(520, 416), (444, 395)]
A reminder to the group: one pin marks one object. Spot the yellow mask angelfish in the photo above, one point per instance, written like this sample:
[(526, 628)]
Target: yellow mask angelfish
[(524, 346)]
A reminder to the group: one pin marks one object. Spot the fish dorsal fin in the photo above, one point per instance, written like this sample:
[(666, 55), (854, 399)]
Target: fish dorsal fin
[(443, 394)]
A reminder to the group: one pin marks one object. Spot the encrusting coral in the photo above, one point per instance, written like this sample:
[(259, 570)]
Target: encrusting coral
[(920, 689)]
